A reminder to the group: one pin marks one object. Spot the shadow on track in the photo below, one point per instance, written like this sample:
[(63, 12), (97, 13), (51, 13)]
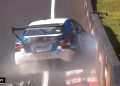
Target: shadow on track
[(94, 3), (113, 39)]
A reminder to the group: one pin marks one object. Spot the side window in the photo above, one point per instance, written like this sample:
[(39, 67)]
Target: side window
[(72, 27), (78, 26)]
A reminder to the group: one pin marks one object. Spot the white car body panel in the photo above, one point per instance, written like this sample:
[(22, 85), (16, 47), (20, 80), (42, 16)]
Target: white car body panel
[(64, 54)]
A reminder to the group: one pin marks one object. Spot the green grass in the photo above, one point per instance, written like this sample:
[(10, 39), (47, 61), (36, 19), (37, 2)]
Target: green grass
[(112, 21)]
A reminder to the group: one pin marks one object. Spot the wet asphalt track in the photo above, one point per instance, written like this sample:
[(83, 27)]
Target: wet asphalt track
[(19, 13)]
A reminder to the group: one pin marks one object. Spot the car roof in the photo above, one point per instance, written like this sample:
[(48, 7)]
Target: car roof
[(48, 21)]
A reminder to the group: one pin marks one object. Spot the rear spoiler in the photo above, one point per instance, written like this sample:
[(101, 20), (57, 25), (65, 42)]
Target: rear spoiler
[(16, 29), (16, 35)]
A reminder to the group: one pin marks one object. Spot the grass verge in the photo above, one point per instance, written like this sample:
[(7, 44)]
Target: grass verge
[(111, 22)]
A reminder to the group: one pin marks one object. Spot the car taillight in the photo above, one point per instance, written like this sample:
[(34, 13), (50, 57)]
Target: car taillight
[(18, 47), (65, 43)]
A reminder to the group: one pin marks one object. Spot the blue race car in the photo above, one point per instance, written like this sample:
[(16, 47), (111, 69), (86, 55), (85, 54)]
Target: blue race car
[(47, 39)]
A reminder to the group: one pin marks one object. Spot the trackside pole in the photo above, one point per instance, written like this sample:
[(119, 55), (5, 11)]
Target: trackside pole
[(52, 9)]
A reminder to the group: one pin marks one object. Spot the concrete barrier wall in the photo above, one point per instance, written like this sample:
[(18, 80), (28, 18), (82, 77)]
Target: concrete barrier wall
[(108, 65)]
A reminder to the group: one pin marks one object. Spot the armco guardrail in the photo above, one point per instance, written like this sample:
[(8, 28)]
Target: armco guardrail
[(108, 65)]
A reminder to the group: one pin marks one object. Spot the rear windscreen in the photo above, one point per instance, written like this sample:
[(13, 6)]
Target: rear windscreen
[(43, 31)]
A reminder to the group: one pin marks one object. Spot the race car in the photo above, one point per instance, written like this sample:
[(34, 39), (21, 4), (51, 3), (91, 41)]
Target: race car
[(47, 39)]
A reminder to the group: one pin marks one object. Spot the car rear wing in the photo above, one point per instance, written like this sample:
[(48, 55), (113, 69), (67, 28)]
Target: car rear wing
[(14, 29)]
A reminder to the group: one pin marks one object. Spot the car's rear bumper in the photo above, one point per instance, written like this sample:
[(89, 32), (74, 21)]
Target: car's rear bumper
[(64, 54)]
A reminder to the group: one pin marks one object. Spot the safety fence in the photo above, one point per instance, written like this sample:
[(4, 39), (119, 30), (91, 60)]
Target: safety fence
[(108, 65)]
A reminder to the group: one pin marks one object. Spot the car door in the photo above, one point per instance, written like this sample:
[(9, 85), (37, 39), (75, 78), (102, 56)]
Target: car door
[(73, 33), (80, 34), (77, 30)]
